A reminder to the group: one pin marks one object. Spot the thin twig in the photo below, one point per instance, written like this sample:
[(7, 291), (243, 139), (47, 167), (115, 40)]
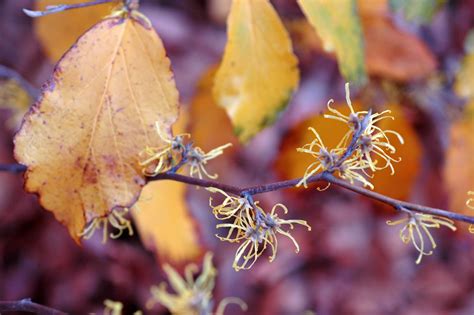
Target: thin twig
[(26, 305), (63, 7), (260, 189), (12, 168), (197, 182), (395, 203)]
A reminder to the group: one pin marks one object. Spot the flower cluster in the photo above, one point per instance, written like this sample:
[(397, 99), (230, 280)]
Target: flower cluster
[(416, 229), (364, 149), (117, 219), (175, 153), (251, 227), (192, 296)]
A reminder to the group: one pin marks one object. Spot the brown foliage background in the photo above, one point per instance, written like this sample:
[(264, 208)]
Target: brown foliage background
[(351, 262)]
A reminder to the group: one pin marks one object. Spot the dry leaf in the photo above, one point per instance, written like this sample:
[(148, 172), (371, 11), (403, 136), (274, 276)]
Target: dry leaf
[(459, 167), (57, 32), (337, 23), (81, 141), (259, 71)]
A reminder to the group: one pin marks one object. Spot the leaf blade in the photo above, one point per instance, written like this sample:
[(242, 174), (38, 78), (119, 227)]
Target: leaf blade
[(84, 123), (338, 24), (258, 48)]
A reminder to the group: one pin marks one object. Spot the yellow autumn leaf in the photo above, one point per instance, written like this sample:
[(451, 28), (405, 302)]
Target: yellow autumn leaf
[(338, 24), (164, 222), (57, 32), (81, 141), (258, 73)]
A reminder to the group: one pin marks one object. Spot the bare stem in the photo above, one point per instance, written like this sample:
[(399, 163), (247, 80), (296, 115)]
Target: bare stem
[(63, 7), (326, 177), (26, 305), (12, 168)]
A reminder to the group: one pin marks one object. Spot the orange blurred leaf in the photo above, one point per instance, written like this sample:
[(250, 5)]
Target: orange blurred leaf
[(81, 141), (209, 124), (395, 54), (400, 185), (57, 32), (459, 167), (164, 222)]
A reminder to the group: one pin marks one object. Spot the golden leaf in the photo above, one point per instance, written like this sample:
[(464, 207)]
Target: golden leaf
[(164, 222), (81, 141), (338, 25), (258, 73), (57, 32)]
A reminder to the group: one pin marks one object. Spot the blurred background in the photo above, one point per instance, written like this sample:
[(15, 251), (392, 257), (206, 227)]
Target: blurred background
[(351, 262)]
